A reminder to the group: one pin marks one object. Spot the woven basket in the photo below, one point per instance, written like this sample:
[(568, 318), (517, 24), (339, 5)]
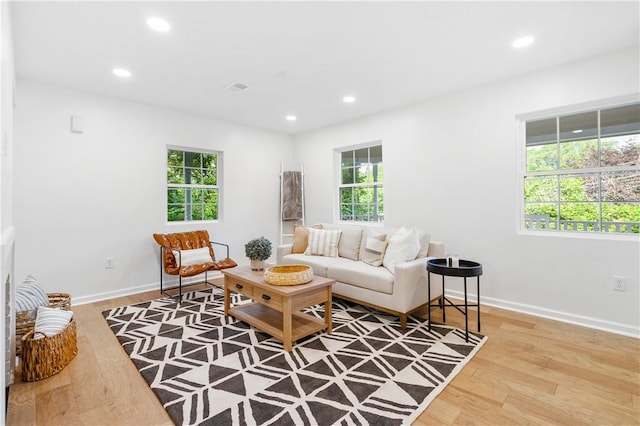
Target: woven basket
[(46, 356), (288, 274), (25, 320)]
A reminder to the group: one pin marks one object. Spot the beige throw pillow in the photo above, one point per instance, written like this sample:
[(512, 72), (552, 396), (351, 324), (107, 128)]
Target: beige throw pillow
[(374, 249), (301, 238), (323, 242)]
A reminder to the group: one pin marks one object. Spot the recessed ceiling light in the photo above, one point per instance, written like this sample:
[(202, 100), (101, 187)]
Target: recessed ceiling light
[(523, 41), (291, 118), (121, 72), (349, 99), (158, 24)]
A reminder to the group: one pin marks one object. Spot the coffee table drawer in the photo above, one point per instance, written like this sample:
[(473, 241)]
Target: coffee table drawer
[(243, 288), (268, 298)]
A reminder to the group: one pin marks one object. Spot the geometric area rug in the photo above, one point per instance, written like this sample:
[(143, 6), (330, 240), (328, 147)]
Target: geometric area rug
[(208, 370)]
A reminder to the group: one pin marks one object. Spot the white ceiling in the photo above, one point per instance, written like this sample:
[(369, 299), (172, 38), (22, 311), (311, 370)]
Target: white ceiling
[(301, 58)]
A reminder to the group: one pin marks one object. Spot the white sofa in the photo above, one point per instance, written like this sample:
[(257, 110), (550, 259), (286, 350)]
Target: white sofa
[(399, 289)]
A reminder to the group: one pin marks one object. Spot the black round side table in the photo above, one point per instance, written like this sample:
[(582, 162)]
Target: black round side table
[(465, 269)]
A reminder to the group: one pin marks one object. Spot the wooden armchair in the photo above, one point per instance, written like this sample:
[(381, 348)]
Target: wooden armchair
[(186, 254)]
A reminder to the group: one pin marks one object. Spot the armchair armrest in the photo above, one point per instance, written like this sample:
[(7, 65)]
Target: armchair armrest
[(221, 244)]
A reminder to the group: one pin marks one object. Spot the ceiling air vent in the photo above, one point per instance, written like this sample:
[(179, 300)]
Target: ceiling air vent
[(237, 87)]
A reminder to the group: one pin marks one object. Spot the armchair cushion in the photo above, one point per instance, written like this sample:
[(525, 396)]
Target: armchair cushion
[(193, 256)]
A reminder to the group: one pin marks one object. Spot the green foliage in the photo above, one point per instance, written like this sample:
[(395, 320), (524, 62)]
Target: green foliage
[(361, 192), (362, 203), (258, 249), (190, 202), (578, 196)]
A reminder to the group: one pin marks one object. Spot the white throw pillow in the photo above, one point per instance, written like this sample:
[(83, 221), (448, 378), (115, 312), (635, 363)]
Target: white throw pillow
[(193, 256), (374, 249), (30, 295), (403, 246), (323, 242), (51, 321)]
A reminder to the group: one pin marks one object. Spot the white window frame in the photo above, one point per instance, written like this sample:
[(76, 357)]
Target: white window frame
[(338, 166), (521, 151), (218, 186)]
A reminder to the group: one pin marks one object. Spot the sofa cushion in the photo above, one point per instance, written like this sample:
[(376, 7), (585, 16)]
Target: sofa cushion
[(404, 245), (323, 242), (350, 240), (318, 263), (362, 275), (374, 249)]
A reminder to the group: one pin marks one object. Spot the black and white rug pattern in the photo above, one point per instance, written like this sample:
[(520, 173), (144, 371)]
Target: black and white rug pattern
[(209, 370)]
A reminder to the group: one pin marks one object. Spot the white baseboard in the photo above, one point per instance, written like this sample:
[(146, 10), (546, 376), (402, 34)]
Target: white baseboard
[(584, 321), (168, 285)]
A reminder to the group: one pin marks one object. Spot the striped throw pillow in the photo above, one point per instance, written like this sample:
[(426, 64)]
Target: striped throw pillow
[(30, 295), (323, 242), (51, 321)]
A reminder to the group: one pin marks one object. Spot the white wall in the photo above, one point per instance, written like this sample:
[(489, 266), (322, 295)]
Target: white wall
[(81, 198), (451, 167), (7, 234)]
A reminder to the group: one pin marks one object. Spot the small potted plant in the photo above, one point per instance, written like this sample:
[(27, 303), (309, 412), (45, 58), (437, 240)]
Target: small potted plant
[(258, 250)]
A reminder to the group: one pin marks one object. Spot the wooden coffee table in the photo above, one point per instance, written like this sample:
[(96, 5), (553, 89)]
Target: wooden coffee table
[(275, 310)]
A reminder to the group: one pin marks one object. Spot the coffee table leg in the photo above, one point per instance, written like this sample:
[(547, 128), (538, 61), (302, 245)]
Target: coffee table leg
[(287, 321), (327, 311)]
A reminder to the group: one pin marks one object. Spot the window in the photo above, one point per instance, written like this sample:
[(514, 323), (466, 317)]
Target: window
[(360, 190), (192, 185), (582, 171)]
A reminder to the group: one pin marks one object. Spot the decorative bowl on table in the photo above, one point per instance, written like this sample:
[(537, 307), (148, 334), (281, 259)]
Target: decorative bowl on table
[(288, 274)]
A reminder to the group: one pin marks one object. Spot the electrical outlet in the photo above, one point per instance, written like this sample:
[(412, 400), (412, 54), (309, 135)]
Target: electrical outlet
[(619, 283), (110, 263)]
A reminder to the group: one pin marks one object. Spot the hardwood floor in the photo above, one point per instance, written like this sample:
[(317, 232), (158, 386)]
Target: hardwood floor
[(530, 371)]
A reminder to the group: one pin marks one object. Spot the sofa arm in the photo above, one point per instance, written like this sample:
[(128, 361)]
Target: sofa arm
[(436, 249), (281, 251), (410, 285)]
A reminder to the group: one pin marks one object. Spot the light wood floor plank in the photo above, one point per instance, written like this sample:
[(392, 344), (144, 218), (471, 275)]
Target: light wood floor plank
[(530, 371)]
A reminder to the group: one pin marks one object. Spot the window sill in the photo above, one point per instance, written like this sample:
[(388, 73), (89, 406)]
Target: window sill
[(192, 222), (581, 235)]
